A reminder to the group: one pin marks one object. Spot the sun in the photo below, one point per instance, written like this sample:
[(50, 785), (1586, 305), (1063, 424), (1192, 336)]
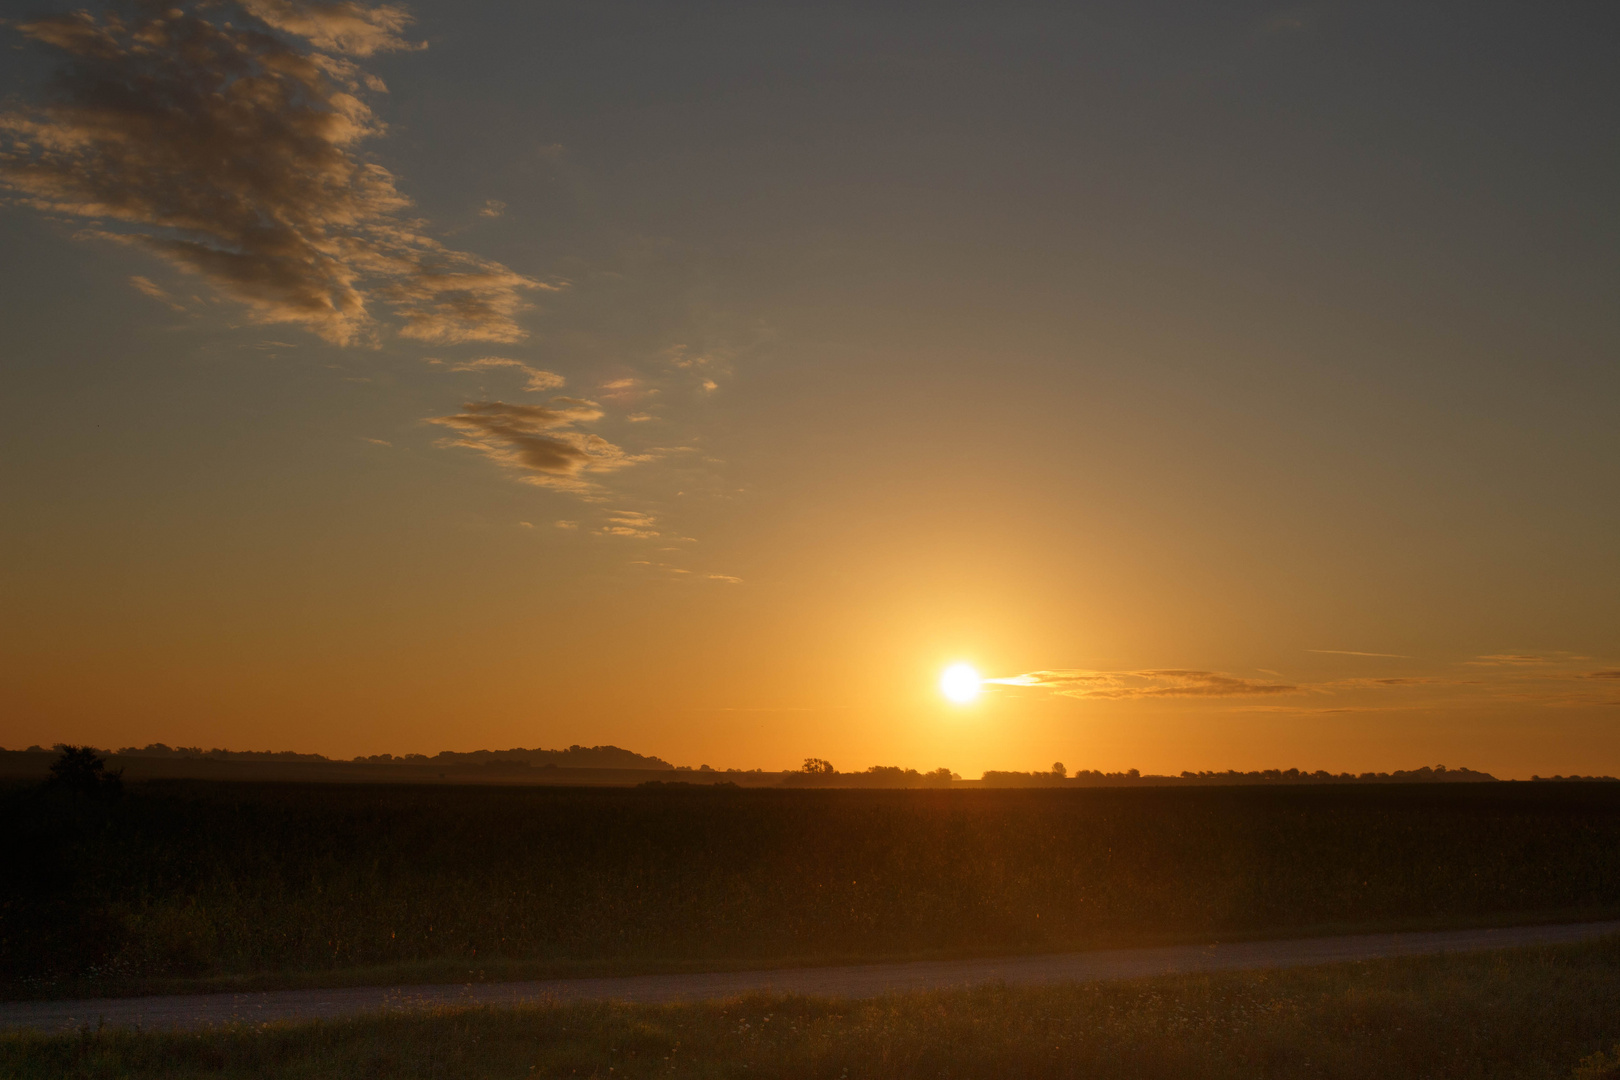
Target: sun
[(960, 683)]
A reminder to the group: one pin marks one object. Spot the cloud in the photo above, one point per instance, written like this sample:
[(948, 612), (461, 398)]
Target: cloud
[(492, 208), (155, 291), (537, 379), (682, 358), (1517, 677), (537, 441), (630, 523), (1351, 652), (727, 578), (342, 26), (218, 140), (625, 390), (1170, 682)]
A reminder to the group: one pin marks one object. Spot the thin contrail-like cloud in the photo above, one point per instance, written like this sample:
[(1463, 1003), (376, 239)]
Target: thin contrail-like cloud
[(1353, 652)]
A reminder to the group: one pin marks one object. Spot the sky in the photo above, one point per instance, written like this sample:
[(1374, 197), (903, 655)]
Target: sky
[(1230, 385)]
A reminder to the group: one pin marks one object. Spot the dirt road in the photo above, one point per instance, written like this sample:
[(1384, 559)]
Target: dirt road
[(867, 980)]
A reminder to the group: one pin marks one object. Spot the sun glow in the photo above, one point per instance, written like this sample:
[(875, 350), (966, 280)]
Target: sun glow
[(960, 683)]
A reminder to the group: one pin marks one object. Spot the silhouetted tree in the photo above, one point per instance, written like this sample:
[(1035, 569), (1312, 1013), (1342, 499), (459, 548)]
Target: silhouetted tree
[(818, 766), (55, 916), (81, 770), (1058, 770)]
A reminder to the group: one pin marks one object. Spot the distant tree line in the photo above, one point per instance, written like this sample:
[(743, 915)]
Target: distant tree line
[(817, 772), (1133, 778)]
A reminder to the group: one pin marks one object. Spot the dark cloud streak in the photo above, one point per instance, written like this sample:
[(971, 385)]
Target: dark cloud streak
[(537, 441)]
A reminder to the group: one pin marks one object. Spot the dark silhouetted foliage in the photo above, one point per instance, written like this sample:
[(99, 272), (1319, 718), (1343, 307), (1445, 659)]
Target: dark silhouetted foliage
[(54, 915), (82, 771)]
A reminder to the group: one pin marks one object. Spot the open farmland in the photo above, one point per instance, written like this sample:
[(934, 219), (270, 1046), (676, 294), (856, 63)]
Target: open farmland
[(184, 884)]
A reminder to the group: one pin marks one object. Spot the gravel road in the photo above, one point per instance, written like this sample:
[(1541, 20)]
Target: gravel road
[(190, 1011)]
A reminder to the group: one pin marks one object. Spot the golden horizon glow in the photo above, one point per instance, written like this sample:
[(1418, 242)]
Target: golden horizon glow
[(713, 442), (960, 683)]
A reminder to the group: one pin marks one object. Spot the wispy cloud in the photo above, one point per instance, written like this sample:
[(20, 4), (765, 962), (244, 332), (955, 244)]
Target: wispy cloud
[(630, 523), (536, 379), (155, 291), (1154, 683), (1519, 678), (1406, 681), (1352, 652), (538, 442), (224, 140)]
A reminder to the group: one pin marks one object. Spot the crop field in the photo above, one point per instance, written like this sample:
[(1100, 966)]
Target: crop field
[(1534, 1014), (184, 884)]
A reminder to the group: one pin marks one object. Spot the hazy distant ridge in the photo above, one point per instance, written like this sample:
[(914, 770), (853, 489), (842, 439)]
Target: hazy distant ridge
[(575, 757)]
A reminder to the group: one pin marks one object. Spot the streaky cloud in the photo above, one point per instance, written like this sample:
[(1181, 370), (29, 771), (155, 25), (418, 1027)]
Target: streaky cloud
[(630, 523), (538, 442), (536, 379), (1150, 683), (1353, 652)]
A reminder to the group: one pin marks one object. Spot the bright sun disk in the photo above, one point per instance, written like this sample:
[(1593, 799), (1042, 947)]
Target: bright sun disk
[(960, 683)]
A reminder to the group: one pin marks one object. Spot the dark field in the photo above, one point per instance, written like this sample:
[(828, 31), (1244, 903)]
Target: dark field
[(194, 884), (1519, 1015)]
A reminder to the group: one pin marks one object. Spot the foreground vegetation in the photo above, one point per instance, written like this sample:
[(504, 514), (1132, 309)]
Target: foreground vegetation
[(177, 884), (1534, 1013)]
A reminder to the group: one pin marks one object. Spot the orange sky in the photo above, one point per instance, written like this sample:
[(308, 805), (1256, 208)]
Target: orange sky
[(1238, 386)]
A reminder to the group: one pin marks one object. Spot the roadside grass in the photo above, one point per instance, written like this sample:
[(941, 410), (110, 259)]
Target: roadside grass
[(185, 885), (1525, 1013)]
